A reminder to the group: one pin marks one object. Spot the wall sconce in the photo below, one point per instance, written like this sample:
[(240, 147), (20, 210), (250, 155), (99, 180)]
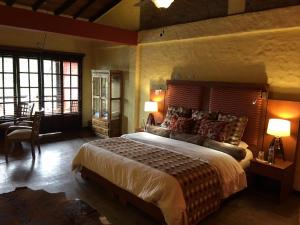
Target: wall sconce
[(278, 128), (150, 107)]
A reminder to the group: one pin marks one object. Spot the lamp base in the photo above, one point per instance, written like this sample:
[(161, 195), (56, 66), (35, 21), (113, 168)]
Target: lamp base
[(150, 119), (278, 147)]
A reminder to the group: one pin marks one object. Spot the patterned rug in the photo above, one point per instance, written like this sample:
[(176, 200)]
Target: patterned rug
[(24, 206)]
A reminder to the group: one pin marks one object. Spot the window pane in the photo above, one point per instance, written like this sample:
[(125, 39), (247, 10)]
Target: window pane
[(1, 110), (66, 107), (8, 80), (74, 68), (24, 80), (67, 81), (66, 66), (9, 95), (23, 64), (74, 94), (74, 81), (56, 81), (24, 94), (1, 80), (33, 65), (47, 66), (34, 80), (48, 107), (48, 94), (47, 81), (1, 68), (56, 107), (8, 64), (74, 106), (9, 109), (55, 67), (34, 94), (67, 94)]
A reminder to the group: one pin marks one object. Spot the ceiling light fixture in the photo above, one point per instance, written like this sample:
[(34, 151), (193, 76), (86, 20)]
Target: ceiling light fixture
[(162, 3)]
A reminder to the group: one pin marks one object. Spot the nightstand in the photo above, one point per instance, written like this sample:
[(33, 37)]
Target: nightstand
[(281, 171)]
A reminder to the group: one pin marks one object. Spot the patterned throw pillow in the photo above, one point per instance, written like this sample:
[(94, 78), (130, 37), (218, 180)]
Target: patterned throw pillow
[(212, 129), (199, 114), (175, 111), (183, 125), (236, 127)]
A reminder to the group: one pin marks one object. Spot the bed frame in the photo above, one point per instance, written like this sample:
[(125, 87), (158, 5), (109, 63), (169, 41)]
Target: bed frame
[(233, 98)]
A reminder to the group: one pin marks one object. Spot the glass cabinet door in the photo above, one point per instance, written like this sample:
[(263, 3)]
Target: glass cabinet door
[(96, 97), (104, 87), (116, 86), (115, 109), (104, 109)]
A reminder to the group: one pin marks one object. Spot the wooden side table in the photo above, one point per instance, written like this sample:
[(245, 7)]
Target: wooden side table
[(281, 170)]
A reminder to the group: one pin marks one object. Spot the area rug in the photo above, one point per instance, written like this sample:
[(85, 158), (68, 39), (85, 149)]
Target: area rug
[(24, 206)]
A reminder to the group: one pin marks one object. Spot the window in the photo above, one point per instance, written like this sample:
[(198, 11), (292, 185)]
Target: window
[(7, 94), (52, 87), (29, 81), (50, 81), (70, 74)]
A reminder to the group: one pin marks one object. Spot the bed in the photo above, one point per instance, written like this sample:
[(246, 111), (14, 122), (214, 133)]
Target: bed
[(176, 182)]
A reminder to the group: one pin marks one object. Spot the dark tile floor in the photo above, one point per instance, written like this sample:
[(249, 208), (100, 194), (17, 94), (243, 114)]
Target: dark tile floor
[(52, 171)]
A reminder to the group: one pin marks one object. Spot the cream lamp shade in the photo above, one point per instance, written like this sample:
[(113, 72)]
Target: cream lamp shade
[(162, 3), (279, 127), (150, 107)]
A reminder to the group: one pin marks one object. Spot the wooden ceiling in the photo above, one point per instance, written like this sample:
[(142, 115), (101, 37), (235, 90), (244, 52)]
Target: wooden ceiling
[(89, 10)]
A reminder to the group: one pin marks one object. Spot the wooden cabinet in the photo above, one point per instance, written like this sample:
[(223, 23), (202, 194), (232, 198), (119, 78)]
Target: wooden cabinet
[(107, 105)]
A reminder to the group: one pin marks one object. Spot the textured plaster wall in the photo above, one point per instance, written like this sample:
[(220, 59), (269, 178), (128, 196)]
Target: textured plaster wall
[(254, 47), (122, 58), (30, 39)]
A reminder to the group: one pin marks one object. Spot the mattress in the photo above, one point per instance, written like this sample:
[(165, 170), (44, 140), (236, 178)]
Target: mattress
[(153, 185)]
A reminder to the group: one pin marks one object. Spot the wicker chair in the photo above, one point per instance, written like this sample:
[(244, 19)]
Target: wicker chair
[(18, 134), (24, 112)]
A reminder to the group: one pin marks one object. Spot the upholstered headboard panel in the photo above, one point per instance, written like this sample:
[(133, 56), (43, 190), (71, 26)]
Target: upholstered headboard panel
[(238, 99), (241, 102), (189, 96)]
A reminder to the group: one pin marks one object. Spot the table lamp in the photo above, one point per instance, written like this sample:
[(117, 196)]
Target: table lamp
[(150, 107), (279, 128)]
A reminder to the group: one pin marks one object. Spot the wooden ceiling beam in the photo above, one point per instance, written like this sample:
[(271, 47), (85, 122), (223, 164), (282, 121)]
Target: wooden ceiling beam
[(61, 9), (37, 4), (83, 8), (10, 2), (104, 10), (38, 21)]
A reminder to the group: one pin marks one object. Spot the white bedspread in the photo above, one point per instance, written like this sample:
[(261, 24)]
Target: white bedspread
[(153, 185)]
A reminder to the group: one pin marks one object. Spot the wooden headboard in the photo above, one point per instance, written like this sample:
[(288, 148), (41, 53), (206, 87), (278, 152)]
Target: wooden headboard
[(239, 99)]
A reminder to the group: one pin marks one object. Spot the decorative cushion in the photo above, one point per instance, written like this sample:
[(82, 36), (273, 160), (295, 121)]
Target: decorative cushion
[(160, 131), (22, 134), (212, 129), (183, 125), (199, 114), (236, 152), (191, 138), (235, 127), (175, 111)]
